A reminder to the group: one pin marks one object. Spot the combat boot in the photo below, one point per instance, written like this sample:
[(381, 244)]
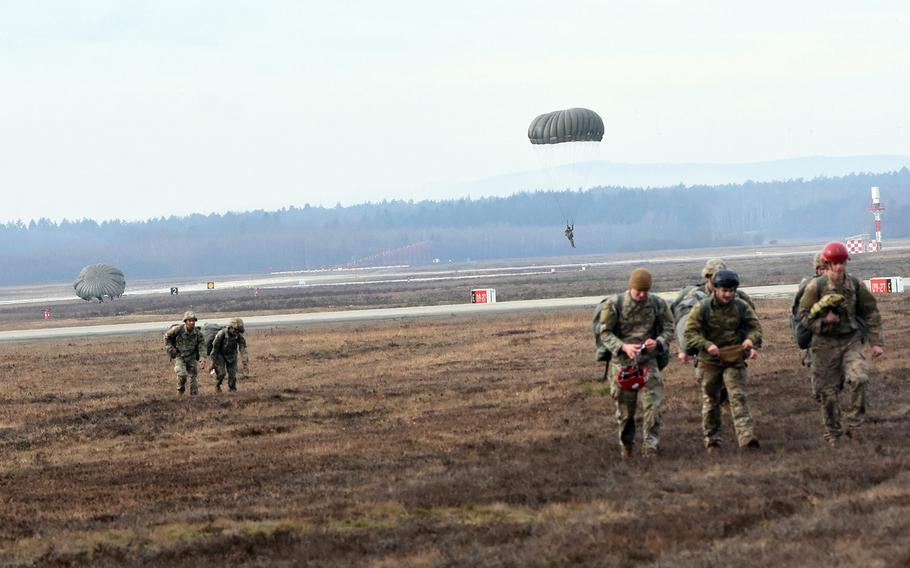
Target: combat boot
[(712, 448), (625, 453), (752, 445)]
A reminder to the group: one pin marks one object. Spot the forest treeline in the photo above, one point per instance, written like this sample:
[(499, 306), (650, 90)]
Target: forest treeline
[(529, 224)]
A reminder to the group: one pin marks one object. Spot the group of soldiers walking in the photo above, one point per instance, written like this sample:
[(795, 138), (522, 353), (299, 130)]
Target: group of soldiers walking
[(186, 345), (716, 324), (834, 317)]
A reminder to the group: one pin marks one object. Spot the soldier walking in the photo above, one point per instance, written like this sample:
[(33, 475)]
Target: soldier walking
[(225, 345), (185, 344), (725, 331), (842, 314), (687, 298), (636, 327)]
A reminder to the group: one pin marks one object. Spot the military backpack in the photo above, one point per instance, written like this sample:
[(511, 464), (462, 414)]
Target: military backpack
[(209, 331)]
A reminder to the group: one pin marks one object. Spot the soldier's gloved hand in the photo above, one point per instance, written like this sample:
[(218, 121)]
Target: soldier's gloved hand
[(827, 302), (172, 351)]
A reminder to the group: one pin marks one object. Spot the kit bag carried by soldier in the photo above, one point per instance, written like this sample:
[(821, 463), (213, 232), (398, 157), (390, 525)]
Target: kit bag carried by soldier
[(602, 354), (687, 298), (209, 331), (801, 333), (170, 339)]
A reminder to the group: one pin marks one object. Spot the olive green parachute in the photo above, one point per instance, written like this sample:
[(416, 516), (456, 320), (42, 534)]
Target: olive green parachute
[(570, 125), (99, 281)]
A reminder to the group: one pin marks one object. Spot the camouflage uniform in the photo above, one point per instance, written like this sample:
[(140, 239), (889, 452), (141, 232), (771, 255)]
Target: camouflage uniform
[(837, 350), (692, 295), (224, 356), (818, 264), (634, 325), (723, 330), (185, 348)]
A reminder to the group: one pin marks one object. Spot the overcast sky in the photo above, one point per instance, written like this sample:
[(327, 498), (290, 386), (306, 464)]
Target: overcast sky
[(117, 109)]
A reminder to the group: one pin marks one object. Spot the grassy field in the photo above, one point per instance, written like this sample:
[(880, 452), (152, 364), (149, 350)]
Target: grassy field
[(469, 442)]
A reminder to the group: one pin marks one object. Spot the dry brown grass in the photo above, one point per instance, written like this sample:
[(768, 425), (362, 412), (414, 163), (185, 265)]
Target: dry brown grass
[(440, 442)]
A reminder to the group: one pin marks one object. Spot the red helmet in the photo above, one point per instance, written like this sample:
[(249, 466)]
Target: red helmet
[(835, 252), (632, 377)]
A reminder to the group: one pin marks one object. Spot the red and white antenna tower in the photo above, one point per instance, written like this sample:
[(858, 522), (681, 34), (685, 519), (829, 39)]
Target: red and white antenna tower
[(877, 209)]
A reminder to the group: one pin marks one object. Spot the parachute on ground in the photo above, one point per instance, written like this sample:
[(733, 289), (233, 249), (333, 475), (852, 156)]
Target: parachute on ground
[(570, 125), (99, 281)]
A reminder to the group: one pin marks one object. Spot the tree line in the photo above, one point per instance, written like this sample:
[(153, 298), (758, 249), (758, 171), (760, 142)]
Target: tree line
[(527, 224)]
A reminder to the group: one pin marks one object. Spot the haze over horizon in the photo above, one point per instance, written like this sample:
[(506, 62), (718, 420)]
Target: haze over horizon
[(132, 112)]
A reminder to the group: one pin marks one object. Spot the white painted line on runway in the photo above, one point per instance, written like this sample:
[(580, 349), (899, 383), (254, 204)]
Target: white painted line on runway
[(317, 318)]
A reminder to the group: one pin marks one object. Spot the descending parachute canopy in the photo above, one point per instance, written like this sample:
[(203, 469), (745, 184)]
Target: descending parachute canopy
[(98, 281), (571, 125)]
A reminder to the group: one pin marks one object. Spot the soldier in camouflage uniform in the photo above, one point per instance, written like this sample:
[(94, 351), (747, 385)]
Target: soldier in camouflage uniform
[(690, 296), (836, 307), (726, 331), (225, 345), (629, 322), (185, 344)]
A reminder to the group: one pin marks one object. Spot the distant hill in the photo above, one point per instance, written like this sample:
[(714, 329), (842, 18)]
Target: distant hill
[(524, 224), (611, 174)]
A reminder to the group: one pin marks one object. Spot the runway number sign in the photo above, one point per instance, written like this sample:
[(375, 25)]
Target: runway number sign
[(483, 296), (889, 285)]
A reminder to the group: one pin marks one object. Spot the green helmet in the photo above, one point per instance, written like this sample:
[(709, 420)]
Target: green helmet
[(236, 323), (712, 266), (190, 315)]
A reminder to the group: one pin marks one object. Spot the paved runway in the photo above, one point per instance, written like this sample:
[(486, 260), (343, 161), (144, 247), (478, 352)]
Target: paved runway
[(315, 318)]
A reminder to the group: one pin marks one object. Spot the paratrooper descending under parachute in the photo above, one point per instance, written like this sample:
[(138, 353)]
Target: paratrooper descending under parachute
[(569, 128)]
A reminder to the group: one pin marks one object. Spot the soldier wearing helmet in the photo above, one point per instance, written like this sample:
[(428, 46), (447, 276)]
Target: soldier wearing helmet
[(686, 300), (184, 344), (225, 345), (725, 332), (635, 327), (842, 315)]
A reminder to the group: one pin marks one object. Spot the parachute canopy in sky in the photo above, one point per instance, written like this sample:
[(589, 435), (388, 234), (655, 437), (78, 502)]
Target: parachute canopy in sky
[(570, 125), (99, 281)]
